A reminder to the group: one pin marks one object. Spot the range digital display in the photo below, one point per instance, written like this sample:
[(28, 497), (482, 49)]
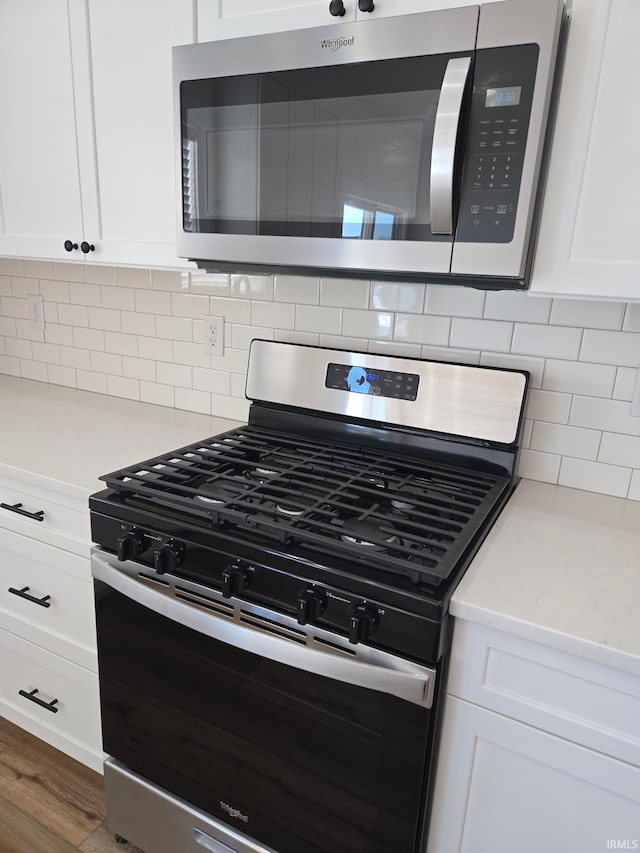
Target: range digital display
[(360, 379), (507, 96)]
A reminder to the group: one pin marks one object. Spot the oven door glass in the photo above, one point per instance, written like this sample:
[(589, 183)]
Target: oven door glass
[(343, 153), (297, 761)]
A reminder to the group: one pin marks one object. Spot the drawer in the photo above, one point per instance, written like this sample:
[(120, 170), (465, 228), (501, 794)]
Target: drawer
[(73, 722), (46, 510), (577, 699), (46, 596)]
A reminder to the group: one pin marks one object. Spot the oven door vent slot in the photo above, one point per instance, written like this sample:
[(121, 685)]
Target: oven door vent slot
[(153, 579), (270, 627), (333, 648), (202, 601)]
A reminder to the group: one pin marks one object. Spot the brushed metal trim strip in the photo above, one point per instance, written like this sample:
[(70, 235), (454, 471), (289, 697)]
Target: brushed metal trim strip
[(461, 400), (396, 677), (445, 136)]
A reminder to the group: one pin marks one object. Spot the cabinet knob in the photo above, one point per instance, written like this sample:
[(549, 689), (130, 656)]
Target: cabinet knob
[(69, 246), (86, 247), (336, 8), (366, 5)]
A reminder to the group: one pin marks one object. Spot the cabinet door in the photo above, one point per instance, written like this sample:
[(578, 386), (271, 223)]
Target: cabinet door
[(126, 139), (40, 203), (388, 8), (219, 19), (503, 786), (588, 244)]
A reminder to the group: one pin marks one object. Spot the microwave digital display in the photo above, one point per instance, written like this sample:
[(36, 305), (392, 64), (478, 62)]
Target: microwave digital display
[(506, 96)]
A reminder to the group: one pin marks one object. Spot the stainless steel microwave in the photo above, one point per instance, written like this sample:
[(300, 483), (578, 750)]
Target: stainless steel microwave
[(402, 148)]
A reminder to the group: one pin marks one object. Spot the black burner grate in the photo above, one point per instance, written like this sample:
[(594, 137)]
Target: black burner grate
[(409, 516)]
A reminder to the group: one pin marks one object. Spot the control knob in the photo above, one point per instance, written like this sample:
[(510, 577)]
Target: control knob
[(168, 557), (235, 579), (131, 545), (362, 622), (312, 603)]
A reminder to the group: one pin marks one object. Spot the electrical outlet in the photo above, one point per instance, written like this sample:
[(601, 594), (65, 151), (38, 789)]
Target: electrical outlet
[(36, 312), (213, 340)]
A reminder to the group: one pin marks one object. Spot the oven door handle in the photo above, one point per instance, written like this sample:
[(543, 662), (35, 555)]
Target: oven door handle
[(397, 677), (445, 138)]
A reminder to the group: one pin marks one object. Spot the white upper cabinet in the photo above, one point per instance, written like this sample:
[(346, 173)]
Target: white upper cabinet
[(588, 244), (219, 19), (40, 204), (86, 149)]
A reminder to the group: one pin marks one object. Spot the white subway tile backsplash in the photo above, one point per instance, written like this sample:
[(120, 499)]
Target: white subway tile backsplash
[(87, 380), (133, 278), (252, 286), (106, 362), (121, 298), (626, 378), (82, 294), (150, 323), (153, 301), (88, 338), (367, 324), (297, 288), (607, 415), (72, 315), (535, 366), (565, 440), (161, 395), (193, 401), (119, 386), (549, 406), (23, 287), (492, 335), (587, 315), (280, 315), (315, 318), (344, 293), (619, 348), (106, 319), (503, 305), (546, 341), (422, 329), (575, 377), (59, 375), (594, 477), (621, 450), (55, 334), (454, 301), (408, 298)]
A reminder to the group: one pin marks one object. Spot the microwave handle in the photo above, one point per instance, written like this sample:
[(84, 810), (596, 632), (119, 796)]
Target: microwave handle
[(413, 683), (445, 135)]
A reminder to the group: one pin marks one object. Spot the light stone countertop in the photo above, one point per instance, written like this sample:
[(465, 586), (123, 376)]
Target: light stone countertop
[(73, 437), (561, 567)]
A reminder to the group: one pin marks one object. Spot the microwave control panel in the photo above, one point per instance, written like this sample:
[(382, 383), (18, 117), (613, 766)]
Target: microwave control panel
[(496, 138)]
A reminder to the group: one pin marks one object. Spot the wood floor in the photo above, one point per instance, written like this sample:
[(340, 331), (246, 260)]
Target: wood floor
[(49, 803)]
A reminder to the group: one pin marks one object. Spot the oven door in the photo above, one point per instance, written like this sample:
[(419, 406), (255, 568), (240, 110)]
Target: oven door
[(325, 148), (292, 748)]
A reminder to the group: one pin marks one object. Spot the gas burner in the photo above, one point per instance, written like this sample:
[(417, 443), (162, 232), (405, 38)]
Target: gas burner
[(295, 506), (220, 491), (261, 475), (374, 481), (366, 533)]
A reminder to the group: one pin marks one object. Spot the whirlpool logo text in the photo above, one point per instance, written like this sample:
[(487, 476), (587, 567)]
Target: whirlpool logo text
[(336, 44)]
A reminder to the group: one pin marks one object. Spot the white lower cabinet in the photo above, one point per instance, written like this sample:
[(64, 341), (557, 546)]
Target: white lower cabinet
[(504, 786), (540, 751), (48, 659)]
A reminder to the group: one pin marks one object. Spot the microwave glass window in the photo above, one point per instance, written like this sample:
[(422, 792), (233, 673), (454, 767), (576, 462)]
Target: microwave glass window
[(324, 152)]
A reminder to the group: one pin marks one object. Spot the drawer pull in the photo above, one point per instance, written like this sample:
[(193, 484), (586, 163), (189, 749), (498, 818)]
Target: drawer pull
[(50, 706), (23, 593), (36, 516)]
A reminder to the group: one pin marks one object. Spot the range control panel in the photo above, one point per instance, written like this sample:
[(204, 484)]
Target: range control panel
[(501, 105)]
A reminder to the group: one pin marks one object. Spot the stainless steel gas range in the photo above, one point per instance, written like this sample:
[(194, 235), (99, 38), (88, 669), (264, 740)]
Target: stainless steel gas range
[(272, 604)]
